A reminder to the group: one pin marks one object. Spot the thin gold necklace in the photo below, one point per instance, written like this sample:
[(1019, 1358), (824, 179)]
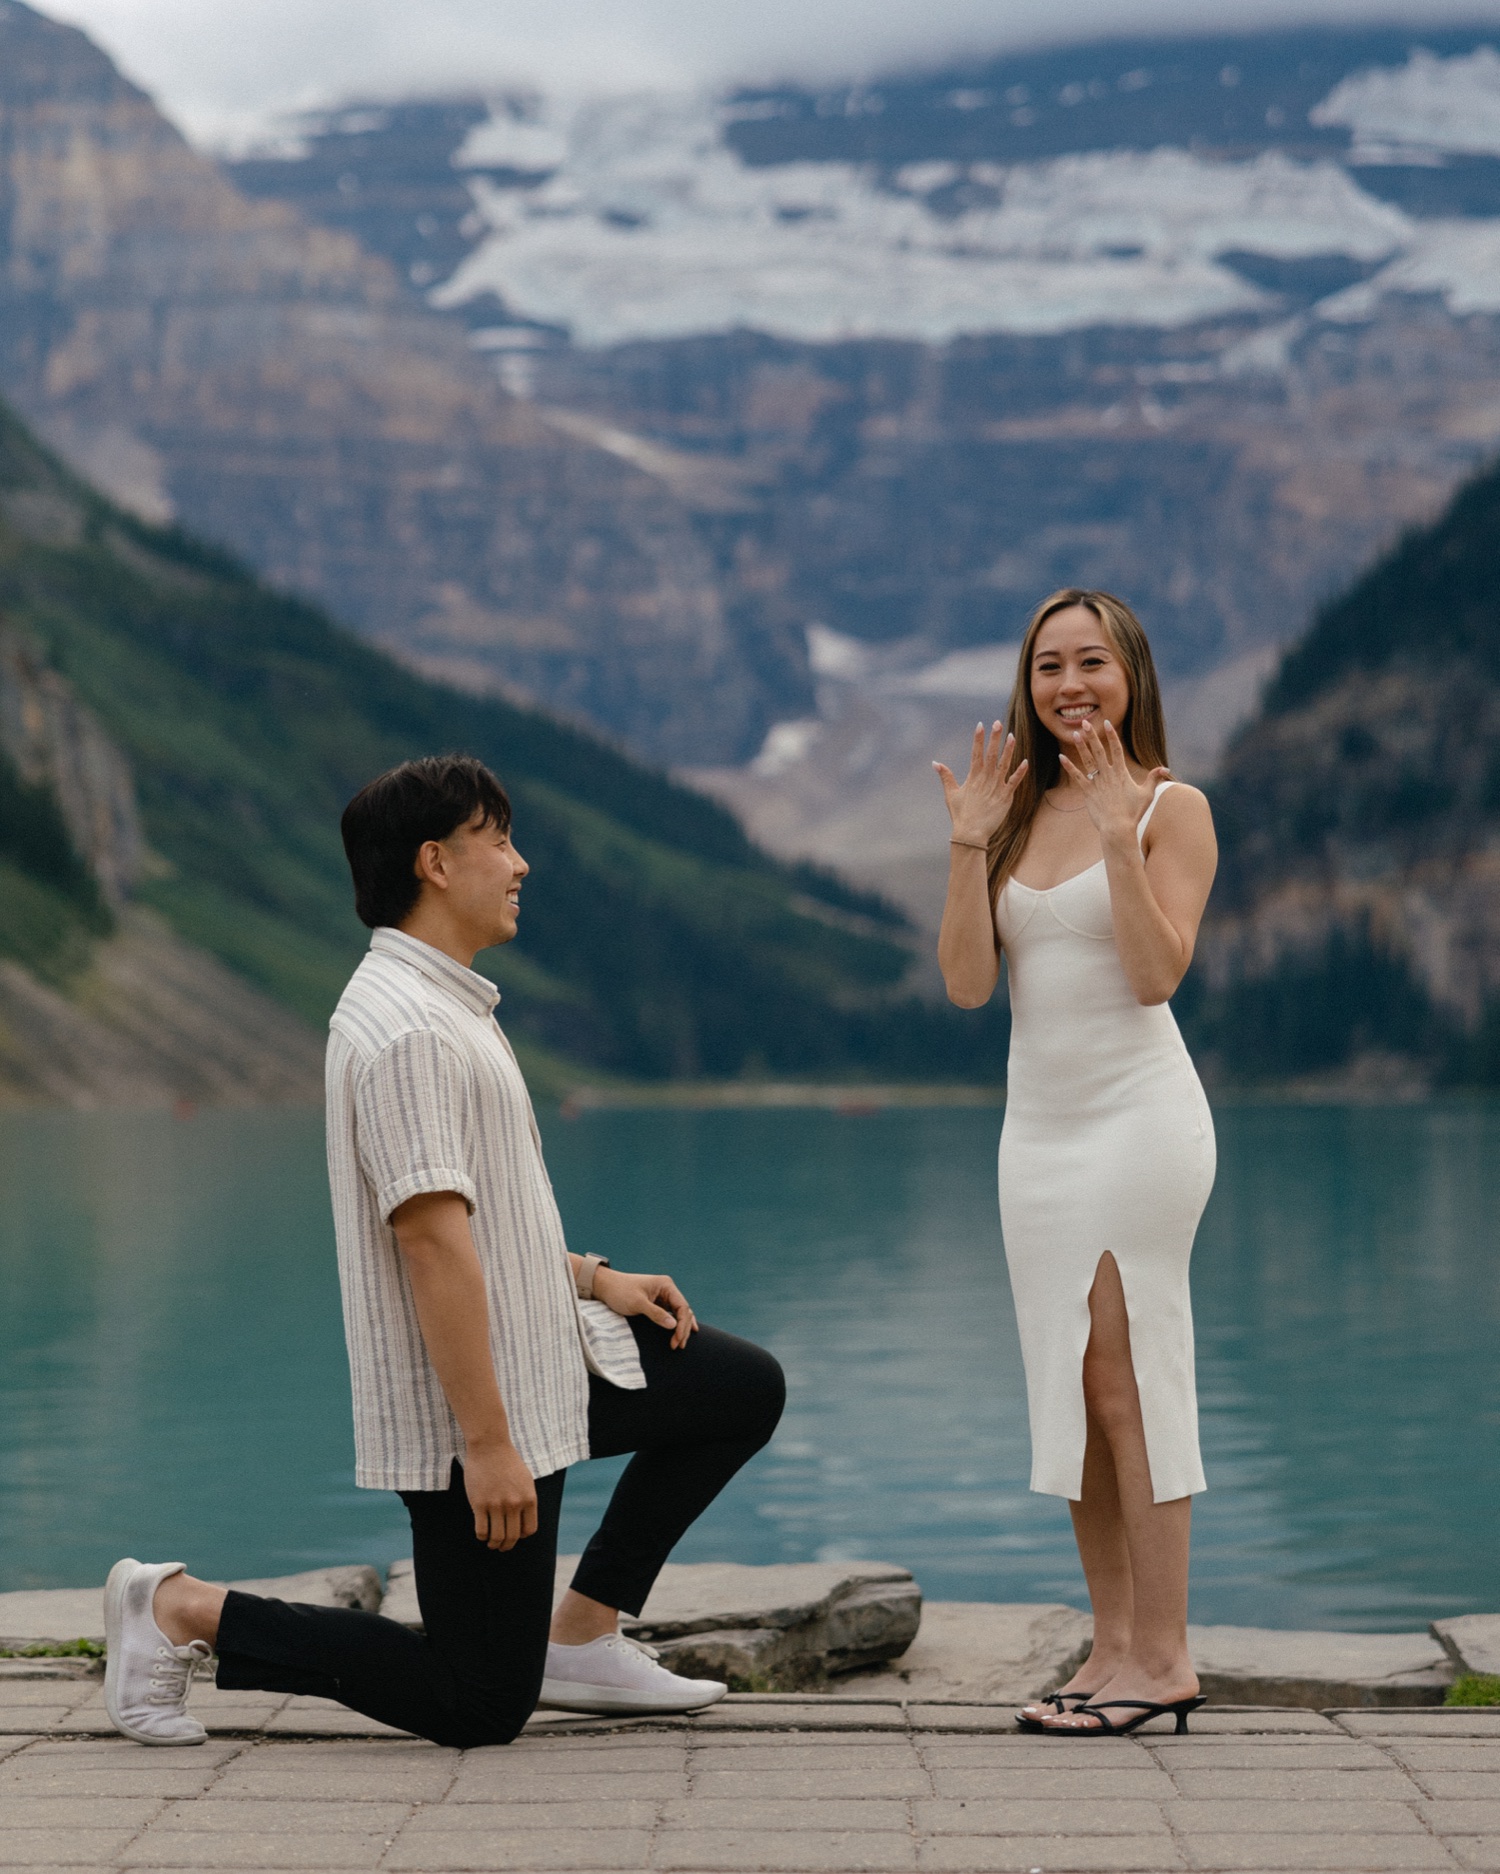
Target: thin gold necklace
[(1048, 801)]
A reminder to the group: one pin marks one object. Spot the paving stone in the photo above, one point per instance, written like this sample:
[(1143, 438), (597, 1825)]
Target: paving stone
[(1461, 1817), (956, 1720), (333, 1722), (76, 1811), (34, 1718), (64, 1689), (276, 1786), (10, 1745), (1312, 1817), (184, 1849), (115, 1752), (1014, 1748), (1481, 1853), (1451, 1753), (399, 1749), (569, 1849), (627, 1747), (1459, 1722), (63, 1846), (1033, 1816), (1472, 1785), (214, 1814), (700, 1849), (846, 1754), (581, 1812), (827, 1715), (1000, 1854), (1228, 1722), (1273, 1754), (1370, 1854), (858, 1782), (774, 1812), (528, 1786), (1294, 1785), (1140, 1782), (165, 1780)]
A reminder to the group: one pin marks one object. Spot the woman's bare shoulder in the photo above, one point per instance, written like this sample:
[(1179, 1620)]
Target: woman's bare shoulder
[(1182, 801), (1182, 814)]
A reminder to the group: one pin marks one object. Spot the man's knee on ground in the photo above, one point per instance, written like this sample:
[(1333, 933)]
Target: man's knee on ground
[(476, 1727)]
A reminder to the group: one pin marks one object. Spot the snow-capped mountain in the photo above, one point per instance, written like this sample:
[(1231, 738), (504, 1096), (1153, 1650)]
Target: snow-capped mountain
[(1205, 321), (632, 219)]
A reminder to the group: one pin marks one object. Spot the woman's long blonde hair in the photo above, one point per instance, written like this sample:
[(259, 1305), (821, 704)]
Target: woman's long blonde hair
[(1144, 730)]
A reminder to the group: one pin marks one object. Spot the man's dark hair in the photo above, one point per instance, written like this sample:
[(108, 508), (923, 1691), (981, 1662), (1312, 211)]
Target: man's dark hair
[(388, 821)]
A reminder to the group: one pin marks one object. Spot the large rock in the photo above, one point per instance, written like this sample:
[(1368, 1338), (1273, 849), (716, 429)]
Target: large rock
[(794, 1623), (1260, 1666), (982, 1652), (54, 1616), (1471, 1641)]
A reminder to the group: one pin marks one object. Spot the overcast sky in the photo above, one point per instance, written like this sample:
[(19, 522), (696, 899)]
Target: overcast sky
[(224, 68)]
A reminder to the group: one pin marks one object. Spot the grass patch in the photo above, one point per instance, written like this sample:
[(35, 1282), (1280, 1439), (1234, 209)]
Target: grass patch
[(1475, 1688), (55, 1649)]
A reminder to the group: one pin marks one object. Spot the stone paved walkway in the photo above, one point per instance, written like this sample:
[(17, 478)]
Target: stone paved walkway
[(755, 1784)]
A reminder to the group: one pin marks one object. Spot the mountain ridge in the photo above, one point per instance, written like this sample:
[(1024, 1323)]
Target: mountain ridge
[(656, 941), (1357, 916)]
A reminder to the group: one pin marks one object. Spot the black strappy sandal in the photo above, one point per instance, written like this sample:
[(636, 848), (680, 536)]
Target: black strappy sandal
[(1054, 1699), (1106, 1727)]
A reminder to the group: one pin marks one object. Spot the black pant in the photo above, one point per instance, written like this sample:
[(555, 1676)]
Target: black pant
[(475, 1676)]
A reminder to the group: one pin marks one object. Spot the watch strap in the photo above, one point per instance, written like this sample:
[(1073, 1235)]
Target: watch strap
[(588, 1266)]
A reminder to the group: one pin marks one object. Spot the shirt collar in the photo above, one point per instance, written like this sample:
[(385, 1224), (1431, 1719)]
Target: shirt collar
[(473, 990)]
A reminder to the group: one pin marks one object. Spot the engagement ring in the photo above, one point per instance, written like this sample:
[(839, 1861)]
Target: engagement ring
[(1092, 775)]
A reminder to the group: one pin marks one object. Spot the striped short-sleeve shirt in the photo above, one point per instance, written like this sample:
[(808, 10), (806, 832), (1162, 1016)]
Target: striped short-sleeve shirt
[(424, 1094)]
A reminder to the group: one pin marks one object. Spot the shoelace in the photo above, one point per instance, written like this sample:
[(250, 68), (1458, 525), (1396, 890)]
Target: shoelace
[(636, 1646), (172, 1672)]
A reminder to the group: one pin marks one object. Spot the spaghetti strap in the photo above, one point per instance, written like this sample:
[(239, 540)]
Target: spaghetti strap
[(1145, 819)]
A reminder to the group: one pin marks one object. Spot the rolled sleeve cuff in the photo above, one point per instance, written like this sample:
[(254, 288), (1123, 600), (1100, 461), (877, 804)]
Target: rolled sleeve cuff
[(415, 1183)]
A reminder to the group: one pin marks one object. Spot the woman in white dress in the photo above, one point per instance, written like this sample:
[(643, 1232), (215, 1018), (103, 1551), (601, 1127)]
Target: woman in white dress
[(1075, 854)]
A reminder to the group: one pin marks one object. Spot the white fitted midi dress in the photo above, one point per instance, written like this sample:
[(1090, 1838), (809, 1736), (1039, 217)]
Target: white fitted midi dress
[(1107, 1147)]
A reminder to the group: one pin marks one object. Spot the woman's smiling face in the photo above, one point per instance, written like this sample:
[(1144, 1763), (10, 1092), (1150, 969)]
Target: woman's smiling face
[(1077, 675)]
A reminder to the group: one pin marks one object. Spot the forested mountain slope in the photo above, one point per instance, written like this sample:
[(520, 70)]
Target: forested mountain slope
[(1357, 916), (227, 726)]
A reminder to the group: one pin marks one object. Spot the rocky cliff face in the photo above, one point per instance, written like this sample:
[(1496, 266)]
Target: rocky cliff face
[(56, 742), (274, 387), (125, 1013), (1356, 923)]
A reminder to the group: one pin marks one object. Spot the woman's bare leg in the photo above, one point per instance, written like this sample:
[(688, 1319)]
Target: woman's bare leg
[(1157, 1664), (1099, 1529)]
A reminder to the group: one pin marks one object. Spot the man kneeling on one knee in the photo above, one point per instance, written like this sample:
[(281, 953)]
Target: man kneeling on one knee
[(485, 1358)]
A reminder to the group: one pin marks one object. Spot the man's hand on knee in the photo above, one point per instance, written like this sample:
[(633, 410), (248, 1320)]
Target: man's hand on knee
[(501, 1493), (656, 1296)]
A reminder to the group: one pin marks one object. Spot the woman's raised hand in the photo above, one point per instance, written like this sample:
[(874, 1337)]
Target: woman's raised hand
[(978, 806), (1114, 798)]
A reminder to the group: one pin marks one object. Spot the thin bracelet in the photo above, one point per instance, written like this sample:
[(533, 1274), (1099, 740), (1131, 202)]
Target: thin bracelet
[(972, 844)]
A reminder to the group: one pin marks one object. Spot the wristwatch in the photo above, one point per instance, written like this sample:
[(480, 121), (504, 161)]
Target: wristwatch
[(587, 1268)]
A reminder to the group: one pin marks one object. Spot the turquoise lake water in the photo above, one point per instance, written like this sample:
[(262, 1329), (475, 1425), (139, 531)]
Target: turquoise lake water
[(172, 1379)]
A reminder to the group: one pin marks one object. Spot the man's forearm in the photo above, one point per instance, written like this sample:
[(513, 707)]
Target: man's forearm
[(448, 1288)]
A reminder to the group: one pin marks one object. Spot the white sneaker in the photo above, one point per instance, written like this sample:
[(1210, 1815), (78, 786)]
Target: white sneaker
[(613, 1675), (146, 1678)]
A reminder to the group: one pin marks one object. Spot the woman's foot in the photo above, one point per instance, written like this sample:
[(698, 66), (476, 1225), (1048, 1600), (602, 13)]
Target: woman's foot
[(1088, 1682), (1130, 1682)]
